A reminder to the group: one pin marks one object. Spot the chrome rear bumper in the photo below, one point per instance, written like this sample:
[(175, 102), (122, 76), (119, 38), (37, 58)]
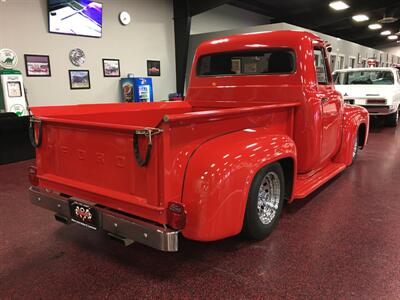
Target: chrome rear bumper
[(118, 225)]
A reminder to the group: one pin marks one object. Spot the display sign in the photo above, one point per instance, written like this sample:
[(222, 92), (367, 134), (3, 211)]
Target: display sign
[(8, 59), (12, 95), (372, 62), (127, 85), (14, 89)]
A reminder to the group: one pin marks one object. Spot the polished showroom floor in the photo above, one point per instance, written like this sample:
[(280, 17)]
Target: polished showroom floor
[(342, 242)]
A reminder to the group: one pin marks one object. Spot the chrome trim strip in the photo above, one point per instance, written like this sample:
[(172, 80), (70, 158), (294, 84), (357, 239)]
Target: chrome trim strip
[(128, 227)]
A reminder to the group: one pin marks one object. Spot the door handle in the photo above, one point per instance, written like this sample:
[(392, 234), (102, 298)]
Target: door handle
[(324, 99)]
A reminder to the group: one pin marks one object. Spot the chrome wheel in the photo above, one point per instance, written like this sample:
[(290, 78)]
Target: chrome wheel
[(268, 198)]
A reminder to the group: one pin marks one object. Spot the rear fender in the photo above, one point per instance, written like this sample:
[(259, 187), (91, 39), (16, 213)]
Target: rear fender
[(218, 179), (355, 121)]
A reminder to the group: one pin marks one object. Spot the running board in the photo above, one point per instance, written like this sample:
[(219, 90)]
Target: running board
[(306, 184)]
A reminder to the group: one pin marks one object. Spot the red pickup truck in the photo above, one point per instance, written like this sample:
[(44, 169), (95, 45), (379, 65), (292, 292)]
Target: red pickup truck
[(261, 124)]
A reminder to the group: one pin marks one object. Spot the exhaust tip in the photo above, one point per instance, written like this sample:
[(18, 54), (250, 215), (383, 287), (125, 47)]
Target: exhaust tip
[(62, 219), (124, 241)]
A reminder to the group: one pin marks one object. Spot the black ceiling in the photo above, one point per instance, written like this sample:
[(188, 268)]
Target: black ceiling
[(318, 16)]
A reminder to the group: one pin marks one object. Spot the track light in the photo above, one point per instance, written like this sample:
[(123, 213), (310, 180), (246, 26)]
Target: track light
[(374, 26), (386, 32), (360, 18), (338, 5)]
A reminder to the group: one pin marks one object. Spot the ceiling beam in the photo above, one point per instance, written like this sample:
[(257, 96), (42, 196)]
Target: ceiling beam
[(258, 7), (199, 6)]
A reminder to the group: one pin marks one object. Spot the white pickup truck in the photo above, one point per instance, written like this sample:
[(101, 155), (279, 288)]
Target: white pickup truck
[(376, 89)]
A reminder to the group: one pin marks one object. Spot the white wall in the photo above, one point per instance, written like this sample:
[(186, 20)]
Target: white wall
[(393, 51), (226, 17), (23, 28)]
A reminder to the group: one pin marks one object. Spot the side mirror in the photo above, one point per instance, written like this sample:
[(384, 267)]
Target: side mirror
[(329, 48)]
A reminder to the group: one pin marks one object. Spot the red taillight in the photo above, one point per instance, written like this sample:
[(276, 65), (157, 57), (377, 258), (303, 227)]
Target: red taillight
[(176, 215), (32, 171)]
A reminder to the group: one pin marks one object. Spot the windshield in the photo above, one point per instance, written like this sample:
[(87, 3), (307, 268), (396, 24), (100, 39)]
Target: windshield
[(370, 77)]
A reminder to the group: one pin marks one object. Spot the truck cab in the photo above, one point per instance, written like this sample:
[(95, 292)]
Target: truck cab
[(278, 67), (261, 125)]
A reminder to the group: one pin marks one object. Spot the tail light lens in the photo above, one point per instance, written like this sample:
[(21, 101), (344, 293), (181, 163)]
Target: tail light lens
[(32, 171), (176, 215)]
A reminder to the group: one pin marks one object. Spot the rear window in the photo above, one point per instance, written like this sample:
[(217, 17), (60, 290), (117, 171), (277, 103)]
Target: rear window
[(266, 61)]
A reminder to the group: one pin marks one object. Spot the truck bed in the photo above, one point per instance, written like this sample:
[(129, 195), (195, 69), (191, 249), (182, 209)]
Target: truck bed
[(87, 150)]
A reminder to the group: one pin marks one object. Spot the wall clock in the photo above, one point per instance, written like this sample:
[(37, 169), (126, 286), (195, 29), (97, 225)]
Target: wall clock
[(77, 57), (124, 18)]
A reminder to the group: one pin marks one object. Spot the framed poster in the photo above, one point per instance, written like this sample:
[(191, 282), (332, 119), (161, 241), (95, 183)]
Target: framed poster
[(352, 62), (14, 89), (236, 65), (37, 65), (249, 68), (153, 68), (111, 67), (79, 79)]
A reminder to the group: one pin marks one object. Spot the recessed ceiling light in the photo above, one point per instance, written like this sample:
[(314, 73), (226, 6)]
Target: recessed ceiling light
[(360, 18), (374, 26), (386, 32), (393, 37), (338, 5)]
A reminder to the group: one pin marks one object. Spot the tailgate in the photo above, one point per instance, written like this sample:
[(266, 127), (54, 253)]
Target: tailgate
[(96, 162)]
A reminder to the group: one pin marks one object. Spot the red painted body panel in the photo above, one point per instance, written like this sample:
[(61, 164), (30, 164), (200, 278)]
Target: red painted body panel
[(212, 143), (219, 176)]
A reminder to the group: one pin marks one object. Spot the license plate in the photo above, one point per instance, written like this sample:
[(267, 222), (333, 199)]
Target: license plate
[(84, 214)]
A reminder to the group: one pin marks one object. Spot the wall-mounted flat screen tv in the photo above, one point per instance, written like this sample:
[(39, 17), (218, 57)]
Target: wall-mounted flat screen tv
[(75, 17)]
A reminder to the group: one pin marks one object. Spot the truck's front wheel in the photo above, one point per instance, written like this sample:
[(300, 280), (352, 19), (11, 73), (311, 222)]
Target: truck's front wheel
[(356, 145), (393, 119), (265, 202)]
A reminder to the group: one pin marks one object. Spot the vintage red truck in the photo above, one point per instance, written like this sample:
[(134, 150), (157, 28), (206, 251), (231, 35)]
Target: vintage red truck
[(261, 124)]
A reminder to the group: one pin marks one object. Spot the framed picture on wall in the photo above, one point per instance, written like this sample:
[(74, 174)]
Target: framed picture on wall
[(236, 65), (37, 65), (111, 67), (79, 79), (359, 58), (153, 68)]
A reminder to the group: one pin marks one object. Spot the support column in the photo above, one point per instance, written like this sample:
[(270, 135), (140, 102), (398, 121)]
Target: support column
[(182, 22)]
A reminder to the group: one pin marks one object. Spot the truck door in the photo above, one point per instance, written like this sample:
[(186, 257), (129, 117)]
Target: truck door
[(331, 106)]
